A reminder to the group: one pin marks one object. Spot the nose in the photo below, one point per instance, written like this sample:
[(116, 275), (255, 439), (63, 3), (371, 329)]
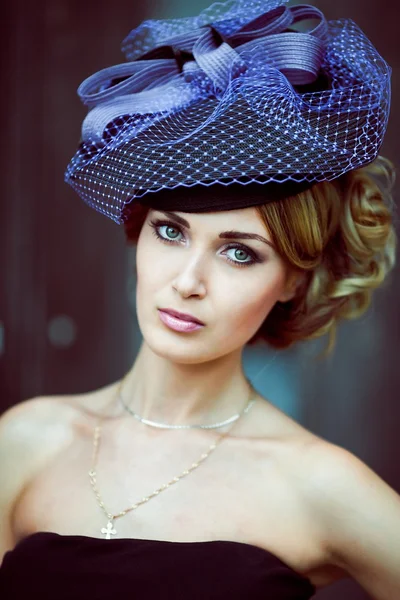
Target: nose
[(190, 280)]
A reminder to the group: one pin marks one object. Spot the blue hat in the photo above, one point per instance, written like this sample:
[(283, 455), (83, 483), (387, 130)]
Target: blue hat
[(245, 102)]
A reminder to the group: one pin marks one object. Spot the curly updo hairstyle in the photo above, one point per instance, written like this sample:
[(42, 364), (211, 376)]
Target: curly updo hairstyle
[(340, 234)]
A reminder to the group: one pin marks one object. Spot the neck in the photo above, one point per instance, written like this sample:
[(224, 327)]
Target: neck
[(162, 390)]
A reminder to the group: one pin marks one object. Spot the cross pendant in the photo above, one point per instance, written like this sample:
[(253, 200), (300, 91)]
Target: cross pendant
[(108, 530)]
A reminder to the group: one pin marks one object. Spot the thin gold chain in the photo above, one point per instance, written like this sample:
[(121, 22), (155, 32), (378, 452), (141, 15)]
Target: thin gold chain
[(110, 530)]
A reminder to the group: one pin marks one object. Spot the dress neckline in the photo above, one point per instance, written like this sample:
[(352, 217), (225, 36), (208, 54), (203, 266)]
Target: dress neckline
[(174, 542)]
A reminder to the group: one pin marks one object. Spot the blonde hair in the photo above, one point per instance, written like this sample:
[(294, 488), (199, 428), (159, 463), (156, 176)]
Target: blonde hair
[(339, 236)]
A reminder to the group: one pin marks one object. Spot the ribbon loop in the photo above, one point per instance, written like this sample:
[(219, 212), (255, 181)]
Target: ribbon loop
[(156, 80), (221, 62)]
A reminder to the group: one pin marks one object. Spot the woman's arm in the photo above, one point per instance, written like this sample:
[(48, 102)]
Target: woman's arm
[(359, 516)]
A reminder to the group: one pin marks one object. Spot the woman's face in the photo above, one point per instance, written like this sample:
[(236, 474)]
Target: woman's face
[(199, 264)]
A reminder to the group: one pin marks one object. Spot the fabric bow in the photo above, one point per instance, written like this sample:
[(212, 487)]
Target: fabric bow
[(204, 63)]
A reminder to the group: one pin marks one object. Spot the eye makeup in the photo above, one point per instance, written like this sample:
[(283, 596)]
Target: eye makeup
[(157, 224), (224, 234)]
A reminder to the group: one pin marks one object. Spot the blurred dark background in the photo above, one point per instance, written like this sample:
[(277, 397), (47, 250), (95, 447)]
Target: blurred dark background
[(67, 313)]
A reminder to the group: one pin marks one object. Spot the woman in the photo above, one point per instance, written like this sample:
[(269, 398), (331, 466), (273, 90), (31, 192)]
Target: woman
[(242, 158)]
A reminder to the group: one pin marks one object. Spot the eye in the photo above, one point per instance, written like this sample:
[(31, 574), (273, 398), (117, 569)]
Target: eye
[(169, 235), (172, 231), (239, 251)]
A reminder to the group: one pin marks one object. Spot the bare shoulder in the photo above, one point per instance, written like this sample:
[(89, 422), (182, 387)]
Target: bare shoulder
[(269, 422), (33, 433), (40, 425), (325, 473), (30, 432), (333, 473), (339, 482), (36, 423), (358, 515)]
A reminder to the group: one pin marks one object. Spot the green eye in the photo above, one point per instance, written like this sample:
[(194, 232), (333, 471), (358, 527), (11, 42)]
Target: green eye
[(172, 233), (173, 229), (240, 254)]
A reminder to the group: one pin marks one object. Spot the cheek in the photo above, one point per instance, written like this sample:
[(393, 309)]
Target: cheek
[(144, 272), (247, 306), (153, 276), (149, 267)]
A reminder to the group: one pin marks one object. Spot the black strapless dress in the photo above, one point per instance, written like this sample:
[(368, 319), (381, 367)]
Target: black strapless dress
[(51, 566)]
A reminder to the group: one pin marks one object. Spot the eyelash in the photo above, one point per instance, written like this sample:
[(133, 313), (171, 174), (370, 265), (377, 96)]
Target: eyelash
[(254, 258)]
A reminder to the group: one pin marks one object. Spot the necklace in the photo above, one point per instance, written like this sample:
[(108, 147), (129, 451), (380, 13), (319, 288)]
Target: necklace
[(167, 426), (110, 530)]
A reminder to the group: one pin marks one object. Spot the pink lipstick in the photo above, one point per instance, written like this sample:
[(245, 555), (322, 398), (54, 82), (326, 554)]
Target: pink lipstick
[(178, 324)]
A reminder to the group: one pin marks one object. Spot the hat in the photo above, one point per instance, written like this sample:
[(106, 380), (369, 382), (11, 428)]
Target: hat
[(251, 97)]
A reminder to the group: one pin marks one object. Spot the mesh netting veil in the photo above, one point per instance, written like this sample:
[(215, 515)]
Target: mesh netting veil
[(248, 92)]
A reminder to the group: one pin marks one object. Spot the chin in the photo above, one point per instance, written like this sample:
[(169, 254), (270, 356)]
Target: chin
[(178, 347), (172, 351)]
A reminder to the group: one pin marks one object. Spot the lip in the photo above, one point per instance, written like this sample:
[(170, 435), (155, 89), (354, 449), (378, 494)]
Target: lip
[(176, 324), (182, 316)]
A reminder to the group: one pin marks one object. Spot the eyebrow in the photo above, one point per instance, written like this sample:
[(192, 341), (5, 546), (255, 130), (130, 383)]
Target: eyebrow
[(232, 234)]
